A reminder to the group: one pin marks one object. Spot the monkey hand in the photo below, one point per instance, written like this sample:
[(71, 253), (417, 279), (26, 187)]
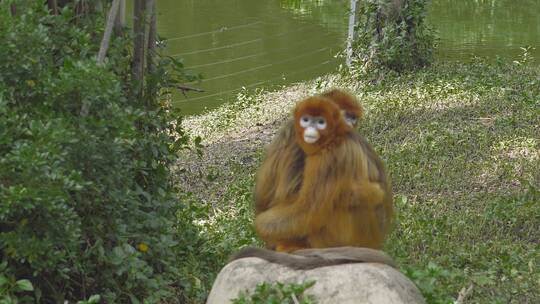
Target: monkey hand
[(269, 226), (285, 222), (366, 194)]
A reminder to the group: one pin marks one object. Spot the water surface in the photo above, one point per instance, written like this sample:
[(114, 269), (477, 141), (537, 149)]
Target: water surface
[(486, 28), (239, 44)]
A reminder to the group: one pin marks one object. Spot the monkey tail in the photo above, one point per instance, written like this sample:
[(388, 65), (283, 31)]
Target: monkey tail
[(306, 259)]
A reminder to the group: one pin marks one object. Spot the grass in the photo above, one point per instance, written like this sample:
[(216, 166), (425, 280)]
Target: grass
[(461, 142)]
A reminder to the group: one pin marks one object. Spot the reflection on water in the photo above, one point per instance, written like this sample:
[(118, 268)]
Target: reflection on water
[(487, 28), (248, 43)]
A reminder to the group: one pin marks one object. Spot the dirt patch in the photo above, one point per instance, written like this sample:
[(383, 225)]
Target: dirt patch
[(207, 176), (234, 135)]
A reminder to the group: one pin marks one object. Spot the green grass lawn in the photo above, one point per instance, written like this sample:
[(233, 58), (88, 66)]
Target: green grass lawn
[(461, 143)]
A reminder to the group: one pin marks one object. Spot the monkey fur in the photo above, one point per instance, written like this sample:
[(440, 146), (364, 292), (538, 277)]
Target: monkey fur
[(281, 172), (353, 166), (347, 103)]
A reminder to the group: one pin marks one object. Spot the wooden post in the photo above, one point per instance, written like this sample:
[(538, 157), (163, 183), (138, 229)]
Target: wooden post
[(350, 36), (108, 31), (139, 25)]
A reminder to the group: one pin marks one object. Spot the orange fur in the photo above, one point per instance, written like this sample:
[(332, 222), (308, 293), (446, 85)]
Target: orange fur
[(280, 174), (345, 102), (340, 198)]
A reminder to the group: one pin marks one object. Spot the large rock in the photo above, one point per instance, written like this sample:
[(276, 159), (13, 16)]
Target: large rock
[(346, 283)]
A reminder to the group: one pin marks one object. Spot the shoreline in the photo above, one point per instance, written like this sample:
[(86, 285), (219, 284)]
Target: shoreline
[(236, 133), (460, 143)]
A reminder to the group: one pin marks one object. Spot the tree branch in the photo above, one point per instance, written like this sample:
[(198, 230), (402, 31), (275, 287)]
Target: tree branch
[(108, 31)]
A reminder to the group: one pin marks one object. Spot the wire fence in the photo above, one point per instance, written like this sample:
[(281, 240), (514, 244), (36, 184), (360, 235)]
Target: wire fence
[(268, 65), (260, 83), (222, 29), (290, 48), (273, 51)]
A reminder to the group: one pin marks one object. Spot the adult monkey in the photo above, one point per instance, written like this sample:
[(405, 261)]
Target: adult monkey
[(280, 177), (337, 204), (280, 174)]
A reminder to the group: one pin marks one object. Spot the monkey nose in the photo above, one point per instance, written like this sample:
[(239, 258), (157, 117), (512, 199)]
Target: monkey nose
[(311, 135)]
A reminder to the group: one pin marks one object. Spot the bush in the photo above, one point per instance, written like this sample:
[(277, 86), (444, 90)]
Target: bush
[(87, 204), (277, 293), (392, 35)]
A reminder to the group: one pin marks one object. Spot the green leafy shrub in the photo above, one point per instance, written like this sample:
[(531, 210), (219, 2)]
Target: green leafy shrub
[(429, 281), (278, 293), (11, 290), (86, 200), (210, 234), (392, 35)]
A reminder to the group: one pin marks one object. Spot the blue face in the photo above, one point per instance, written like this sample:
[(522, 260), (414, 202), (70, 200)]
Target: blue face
[(312, 126)]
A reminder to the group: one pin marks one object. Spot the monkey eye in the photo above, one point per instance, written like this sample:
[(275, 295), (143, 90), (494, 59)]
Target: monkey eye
[(304, 121), (350, 119), (321, 124)]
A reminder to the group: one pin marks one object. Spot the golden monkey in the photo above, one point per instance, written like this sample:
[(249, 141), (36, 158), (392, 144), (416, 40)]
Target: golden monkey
[(336, 204), (280, 177)]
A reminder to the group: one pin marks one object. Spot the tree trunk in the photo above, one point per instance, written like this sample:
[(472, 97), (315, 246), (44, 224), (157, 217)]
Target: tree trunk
[(53, 6), (151, 50), (152, 35), (120, 21), (139, 26), (108, 31)]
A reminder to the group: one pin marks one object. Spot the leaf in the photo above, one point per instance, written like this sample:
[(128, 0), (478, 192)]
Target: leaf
[(94, 299), (3, 280), (134, 299), (25, 285)]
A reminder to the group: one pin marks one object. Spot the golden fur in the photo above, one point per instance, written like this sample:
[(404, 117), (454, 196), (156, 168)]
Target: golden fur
[(334, 193), (345, 102)]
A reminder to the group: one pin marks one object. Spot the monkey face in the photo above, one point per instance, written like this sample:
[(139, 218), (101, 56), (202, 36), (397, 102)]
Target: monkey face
[(318, 123), (350, 107), (312, 126), (350, 118)]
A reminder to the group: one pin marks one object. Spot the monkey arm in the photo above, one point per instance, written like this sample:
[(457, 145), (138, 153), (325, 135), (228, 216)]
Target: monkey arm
[(375, 166), (295, 219), (299, 215), (355, 167), (377, 174), (367, 194)]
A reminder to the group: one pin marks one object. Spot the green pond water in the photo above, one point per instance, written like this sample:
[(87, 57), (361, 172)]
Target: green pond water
[(250, 44)]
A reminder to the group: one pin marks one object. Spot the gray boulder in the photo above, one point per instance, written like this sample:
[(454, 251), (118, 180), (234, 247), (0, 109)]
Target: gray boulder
[(347, 283)]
